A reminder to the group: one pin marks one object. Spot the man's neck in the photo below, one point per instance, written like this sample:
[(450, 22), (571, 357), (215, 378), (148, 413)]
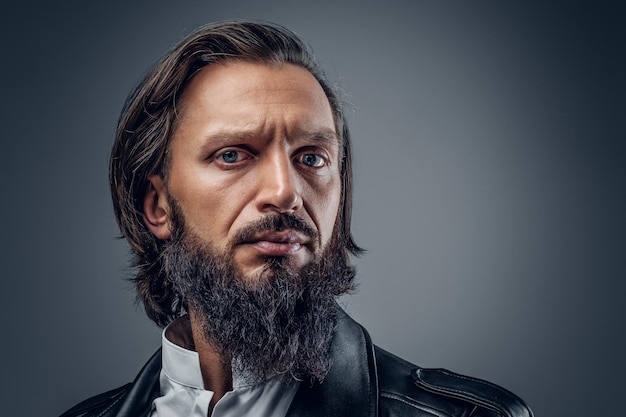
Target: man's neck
[(216, 369)]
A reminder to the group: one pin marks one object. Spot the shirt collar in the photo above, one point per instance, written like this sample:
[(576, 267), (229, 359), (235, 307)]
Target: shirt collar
[(179, 364)]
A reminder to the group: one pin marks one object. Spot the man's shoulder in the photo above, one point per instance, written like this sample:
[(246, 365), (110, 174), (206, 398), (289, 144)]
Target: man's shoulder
[(406, 389), (133, 399)]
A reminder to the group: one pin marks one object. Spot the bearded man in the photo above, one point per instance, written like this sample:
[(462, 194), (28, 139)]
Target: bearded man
[(231, 178)]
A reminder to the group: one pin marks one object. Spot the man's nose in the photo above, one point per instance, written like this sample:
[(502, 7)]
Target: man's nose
[(279, 185)]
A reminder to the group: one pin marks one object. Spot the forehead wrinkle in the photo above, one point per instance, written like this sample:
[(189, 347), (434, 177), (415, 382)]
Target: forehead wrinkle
[(324, 137)]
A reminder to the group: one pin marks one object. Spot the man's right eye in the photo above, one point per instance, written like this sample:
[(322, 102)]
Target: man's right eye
[(229, 156)]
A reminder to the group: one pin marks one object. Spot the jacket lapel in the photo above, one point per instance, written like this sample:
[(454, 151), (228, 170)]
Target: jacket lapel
[(351, 387), (138, 401)]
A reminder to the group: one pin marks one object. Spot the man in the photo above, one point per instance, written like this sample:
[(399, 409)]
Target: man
[(231, 179)]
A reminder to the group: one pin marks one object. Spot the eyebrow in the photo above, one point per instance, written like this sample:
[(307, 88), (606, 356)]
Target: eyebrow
[(326, 136)]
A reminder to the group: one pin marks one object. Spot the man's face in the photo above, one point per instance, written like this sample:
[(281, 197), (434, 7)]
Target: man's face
[(255, 141)]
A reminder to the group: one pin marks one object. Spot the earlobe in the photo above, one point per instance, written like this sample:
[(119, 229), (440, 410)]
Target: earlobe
[(156, 208)]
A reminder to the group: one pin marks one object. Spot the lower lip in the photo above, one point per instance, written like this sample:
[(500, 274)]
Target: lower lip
[(276, 248)]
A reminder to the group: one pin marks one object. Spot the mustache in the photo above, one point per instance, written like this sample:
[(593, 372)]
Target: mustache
[(278, 223)]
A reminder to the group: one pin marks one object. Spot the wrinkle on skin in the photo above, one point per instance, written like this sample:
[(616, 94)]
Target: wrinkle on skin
[(270, 116)]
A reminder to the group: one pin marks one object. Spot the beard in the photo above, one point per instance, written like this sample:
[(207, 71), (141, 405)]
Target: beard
[(279, 324)]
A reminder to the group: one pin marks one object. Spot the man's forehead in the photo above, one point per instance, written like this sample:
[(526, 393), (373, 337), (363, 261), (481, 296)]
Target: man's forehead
[(233, 99)]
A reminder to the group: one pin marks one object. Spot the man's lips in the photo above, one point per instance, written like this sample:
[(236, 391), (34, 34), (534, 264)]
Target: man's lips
[(277, 243)]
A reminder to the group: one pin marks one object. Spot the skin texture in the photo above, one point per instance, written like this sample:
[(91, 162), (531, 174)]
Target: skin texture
[(240, 153), (253, 141)]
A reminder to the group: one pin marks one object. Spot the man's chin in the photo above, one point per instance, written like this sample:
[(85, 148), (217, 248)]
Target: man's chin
[(274, 318), (263, 268)]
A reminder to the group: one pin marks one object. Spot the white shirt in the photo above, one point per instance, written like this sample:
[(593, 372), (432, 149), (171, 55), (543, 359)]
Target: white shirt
[(183, 393)]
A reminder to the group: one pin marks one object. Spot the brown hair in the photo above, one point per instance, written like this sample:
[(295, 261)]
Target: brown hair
[(149, 118)]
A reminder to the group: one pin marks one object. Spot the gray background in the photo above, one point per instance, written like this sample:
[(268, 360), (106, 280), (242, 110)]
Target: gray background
[(489, 140)]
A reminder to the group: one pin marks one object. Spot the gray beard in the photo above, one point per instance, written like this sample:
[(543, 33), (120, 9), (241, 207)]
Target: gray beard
[(282, 323)]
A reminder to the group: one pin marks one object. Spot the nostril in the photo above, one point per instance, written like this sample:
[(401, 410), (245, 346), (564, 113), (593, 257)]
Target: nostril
[(278, 186), (280, 199)]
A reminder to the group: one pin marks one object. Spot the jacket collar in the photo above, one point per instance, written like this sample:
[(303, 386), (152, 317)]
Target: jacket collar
[(144, 389), (350, 388)]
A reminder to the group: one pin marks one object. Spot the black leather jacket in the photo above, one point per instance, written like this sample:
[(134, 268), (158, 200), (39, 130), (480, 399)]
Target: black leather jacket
[(363, 381)]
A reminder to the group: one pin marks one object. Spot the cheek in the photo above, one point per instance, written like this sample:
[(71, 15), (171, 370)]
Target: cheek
[(226, 209), (212, 209), (328, 209)]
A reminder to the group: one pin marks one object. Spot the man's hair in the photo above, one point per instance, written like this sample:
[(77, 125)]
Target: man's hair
[(149, 119)]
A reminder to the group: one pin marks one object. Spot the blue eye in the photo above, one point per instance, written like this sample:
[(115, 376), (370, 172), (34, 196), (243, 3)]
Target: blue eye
[(229, 156), (312, 160)]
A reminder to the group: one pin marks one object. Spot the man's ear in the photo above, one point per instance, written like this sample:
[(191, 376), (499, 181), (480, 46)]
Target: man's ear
[(156, 209)]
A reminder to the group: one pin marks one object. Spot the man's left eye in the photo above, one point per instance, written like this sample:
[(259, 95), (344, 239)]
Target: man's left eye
[(312, 160)]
